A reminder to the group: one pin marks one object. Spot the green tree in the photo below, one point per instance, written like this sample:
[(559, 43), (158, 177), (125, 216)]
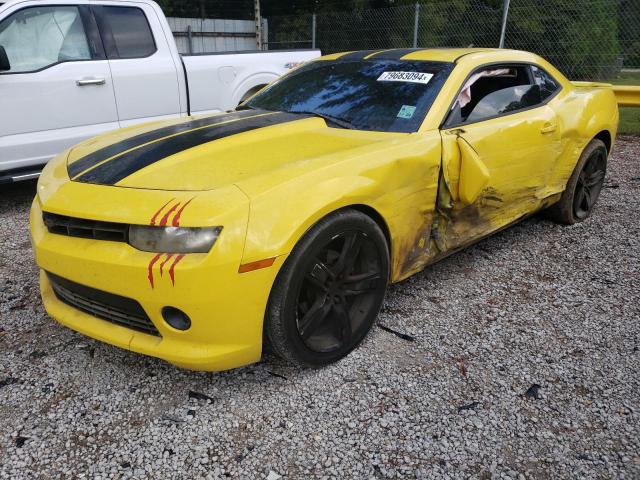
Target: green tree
[(629, 30), (580, 38)]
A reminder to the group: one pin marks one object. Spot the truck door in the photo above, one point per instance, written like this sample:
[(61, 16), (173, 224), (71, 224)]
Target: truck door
[(500, 142), (145, 76), (58, 90)]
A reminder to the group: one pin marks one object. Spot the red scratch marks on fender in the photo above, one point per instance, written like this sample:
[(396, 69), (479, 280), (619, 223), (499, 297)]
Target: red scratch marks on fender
[(173, 266), (176, 217), (165, 218), (155, 216), (150, 268), (176, 207), (169, 256)]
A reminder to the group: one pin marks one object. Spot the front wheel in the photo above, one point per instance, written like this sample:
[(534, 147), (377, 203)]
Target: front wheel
[(580, 196), (330, 290)]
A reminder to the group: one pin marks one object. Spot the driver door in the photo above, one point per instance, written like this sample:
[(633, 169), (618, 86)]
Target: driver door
[(498, 150)]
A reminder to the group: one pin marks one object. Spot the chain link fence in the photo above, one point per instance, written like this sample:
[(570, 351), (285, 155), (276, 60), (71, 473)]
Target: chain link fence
[(586, 39)]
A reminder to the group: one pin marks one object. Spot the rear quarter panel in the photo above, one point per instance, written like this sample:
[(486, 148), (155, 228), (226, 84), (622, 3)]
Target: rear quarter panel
[(584, 111)]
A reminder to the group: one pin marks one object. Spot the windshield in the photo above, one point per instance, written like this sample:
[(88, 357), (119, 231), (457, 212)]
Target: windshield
[(380, 95)]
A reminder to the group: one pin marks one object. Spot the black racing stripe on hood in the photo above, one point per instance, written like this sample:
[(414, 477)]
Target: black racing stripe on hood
[(121, 167), (76, 168)]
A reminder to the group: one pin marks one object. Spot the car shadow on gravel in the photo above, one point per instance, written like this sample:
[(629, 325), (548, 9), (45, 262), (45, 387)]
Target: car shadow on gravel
[(16, 194)]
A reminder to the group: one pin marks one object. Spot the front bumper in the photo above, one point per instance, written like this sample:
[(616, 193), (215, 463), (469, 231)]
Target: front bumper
[(226, 308)]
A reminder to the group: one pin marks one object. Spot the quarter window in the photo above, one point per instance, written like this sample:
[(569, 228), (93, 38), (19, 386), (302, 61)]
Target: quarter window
[(548, 86), (39, 37), (130, 31)]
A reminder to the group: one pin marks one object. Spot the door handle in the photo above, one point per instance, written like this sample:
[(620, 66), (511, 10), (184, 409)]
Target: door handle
[(548, 128), (90, 81)]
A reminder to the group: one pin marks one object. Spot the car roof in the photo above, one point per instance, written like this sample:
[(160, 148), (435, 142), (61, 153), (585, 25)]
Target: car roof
[(482, 55)]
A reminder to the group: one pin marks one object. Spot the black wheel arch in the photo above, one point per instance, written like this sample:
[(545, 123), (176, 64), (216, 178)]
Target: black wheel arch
[(605, 137), (378, 218)]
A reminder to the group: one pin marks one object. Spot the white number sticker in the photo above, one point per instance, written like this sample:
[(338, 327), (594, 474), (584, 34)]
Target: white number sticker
[(412, 77)]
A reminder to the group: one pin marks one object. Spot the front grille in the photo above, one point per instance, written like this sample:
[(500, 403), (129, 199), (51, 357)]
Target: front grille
[(107, 306), (80, 227)]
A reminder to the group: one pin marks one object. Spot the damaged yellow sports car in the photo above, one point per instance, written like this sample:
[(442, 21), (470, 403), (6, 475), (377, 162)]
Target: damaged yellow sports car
[(201, 240)]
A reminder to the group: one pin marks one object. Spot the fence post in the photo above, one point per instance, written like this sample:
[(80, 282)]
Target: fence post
[(256, 11), (189, 39), (265, 34), (505, 15), (313, 31), (416, 20)]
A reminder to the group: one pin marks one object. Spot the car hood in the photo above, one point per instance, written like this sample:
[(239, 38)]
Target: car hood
[(210, 152)]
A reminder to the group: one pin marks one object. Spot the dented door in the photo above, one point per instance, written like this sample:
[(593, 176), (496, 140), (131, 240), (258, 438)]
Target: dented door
[(493, 173)]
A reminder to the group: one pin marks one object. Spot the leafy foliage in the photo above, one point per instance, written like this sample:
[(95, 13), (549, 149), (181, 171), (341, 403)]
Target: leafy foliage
[(587, 40), (580, 38)]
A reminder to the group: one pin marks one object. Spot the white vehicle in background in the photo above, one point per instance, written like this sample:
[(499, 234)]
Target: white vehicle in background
[(72, 69)]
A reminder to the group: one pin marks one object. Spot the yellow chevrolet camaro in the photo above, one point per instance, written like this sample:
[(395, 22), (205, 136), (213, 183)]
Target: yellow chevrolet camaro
[(200, 240)]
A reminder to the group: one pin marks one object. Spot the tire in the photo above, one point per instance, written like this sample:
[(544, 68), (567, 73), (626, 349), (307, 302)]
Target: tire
[(329, 291), (584, 186)]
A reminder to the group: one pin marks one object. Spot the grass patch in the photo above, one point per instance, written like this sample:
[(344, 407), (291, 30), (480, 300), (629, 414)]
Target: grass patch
[(629, 121), (629, 117), (627, 78)]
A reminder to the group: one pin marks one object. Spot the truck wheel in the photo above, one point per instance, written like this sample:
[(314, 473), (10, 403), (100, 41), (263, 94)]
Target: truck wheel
[(580, 196), (329, 291)]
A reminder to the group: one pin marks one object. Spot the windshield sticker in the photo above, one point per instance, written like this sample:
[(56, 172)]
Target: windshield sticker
[(406, 111), (412, 77)]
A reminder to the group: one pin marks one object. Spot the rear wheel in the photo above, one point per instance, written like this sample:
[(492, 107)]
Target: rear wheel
[(584, 186), (329, 292)]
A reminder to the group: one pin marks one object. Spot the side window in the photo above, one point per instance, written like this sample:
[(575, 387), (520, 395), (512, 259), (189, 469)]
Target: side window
[(129, 32), (39, 37), (480, 95), (548, 86), (510, 99)]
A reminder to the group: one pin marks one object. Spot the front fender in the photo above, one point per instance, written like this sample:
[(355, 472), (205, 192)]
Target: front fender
[(277, 223), (399, 183)]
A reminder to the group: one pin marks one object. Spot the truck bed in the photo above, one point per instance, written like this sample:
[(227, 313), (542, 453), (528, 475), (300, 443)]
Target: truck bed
[(240, 74)]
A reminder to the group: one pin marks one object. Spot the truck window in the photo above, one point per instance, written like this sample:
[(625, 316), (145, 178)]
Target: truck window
[(127, 31), (38, 37)]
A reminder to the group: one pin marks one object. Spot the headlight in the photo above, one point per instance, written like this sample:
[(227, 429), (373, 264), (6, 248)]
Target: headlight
[(173, 239)]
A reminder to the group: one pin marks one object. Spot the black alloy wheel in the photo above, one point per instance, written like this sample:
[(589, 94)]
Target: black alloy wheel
[(329, 292), (583, 188), (589, 184), (338, 291)]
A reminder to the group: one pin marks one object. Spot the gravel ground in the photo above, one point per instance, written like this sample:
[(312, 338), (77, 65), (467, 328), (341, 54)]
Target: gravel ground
[(519, 360)]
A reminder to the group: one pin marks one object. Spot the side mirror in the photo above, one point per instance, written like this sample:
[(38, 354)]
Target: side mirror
[(4, 60)]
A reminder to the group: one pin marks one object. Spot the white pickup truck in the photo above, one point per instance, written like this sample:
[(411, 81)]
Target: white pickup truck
[(71, 69)]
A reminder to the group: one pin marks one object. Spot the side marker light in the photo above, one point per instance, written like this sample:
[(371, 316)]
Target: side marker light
[(249, 267)]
